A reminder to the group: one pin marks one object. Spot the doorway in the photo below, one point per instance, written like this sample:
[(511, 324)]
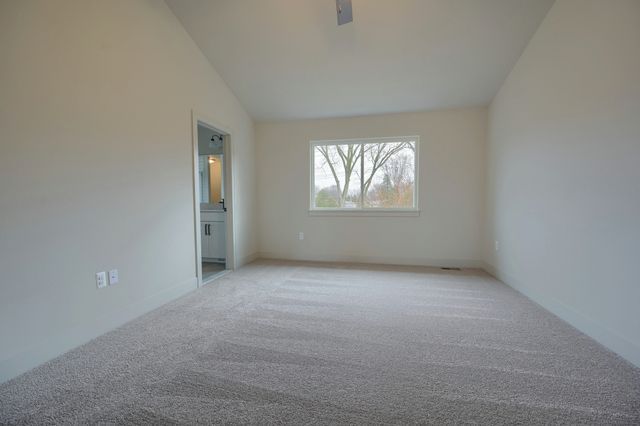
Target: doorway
[(213, 185)]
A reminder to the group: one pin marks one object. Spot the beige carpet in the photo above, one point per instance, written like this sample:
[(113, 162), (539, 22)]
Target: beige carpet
[(279, 342)]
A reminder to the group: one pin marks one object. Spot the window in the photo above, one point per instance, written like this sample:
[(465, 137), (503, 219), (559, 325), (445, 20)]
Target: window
[(364, 175)]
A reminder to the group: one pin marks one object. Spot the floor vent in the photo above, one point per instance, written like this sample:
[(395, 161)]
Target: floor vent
[(450, 269)]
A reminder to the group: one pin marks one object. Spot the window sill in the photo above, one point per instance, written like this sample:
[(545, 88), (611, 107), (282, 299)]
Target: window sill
[(367, 212)]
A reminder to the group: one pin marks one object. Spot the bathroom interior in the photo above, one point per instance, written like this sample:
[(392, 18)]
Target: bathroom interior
[(213, 211)]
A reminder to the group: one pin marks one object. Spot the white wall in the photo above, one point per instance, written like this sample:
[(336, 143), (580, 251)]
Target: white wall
[(96, 168), (449, 228), (564, 161)]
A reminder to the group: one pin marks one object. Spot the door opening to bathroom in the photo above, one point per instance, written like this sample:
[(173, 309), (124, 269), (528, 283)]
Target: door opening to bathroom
[(213, 203)]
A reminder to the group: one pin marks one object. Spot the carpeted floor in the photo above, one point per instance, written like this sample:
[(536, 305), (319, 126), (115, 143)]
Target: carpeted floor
[(279, 342)]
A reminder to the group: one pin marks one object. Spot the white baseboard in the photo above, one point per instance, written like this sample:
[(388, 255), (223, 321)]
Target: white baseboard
[(447, 263), (246, 259), (62, 342), (594, 329)]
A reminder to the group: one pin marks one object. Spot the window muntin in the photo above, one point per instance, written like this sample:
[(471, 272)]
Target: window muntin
[(364, 175)]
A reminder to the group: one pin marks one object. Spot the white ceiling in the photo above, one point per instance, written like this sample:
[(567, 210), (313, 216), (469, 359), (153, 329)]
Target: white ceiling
[(288, 59)]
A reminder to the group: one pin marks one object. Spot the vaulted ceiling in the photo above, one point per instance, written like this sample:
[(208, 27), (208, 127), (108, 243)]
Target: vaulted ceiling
[(288, 59)]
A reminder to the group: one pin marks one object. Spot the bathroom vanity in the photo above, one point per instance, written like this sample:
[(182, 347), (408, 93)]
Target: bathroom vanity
[(213, 234)]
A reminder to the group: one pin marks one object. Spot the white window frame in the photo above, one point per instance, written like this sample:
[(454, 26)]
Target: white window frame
[(364, 211)]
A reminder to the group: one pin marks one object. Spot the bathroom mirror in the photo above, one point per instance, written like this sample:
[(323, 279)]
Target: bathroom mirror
[(211, 175)]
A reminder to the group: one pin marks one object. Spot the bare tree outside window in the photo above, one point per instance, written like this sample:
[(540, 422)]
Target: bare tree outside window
[(364, 175), (341, 162)]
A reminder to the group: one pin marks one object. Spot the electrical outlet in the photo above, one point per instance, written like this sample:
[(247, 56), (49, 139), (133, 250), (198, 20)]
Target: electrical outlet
[(496, 245), (301, 236), (113, 277), (101, 279)]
